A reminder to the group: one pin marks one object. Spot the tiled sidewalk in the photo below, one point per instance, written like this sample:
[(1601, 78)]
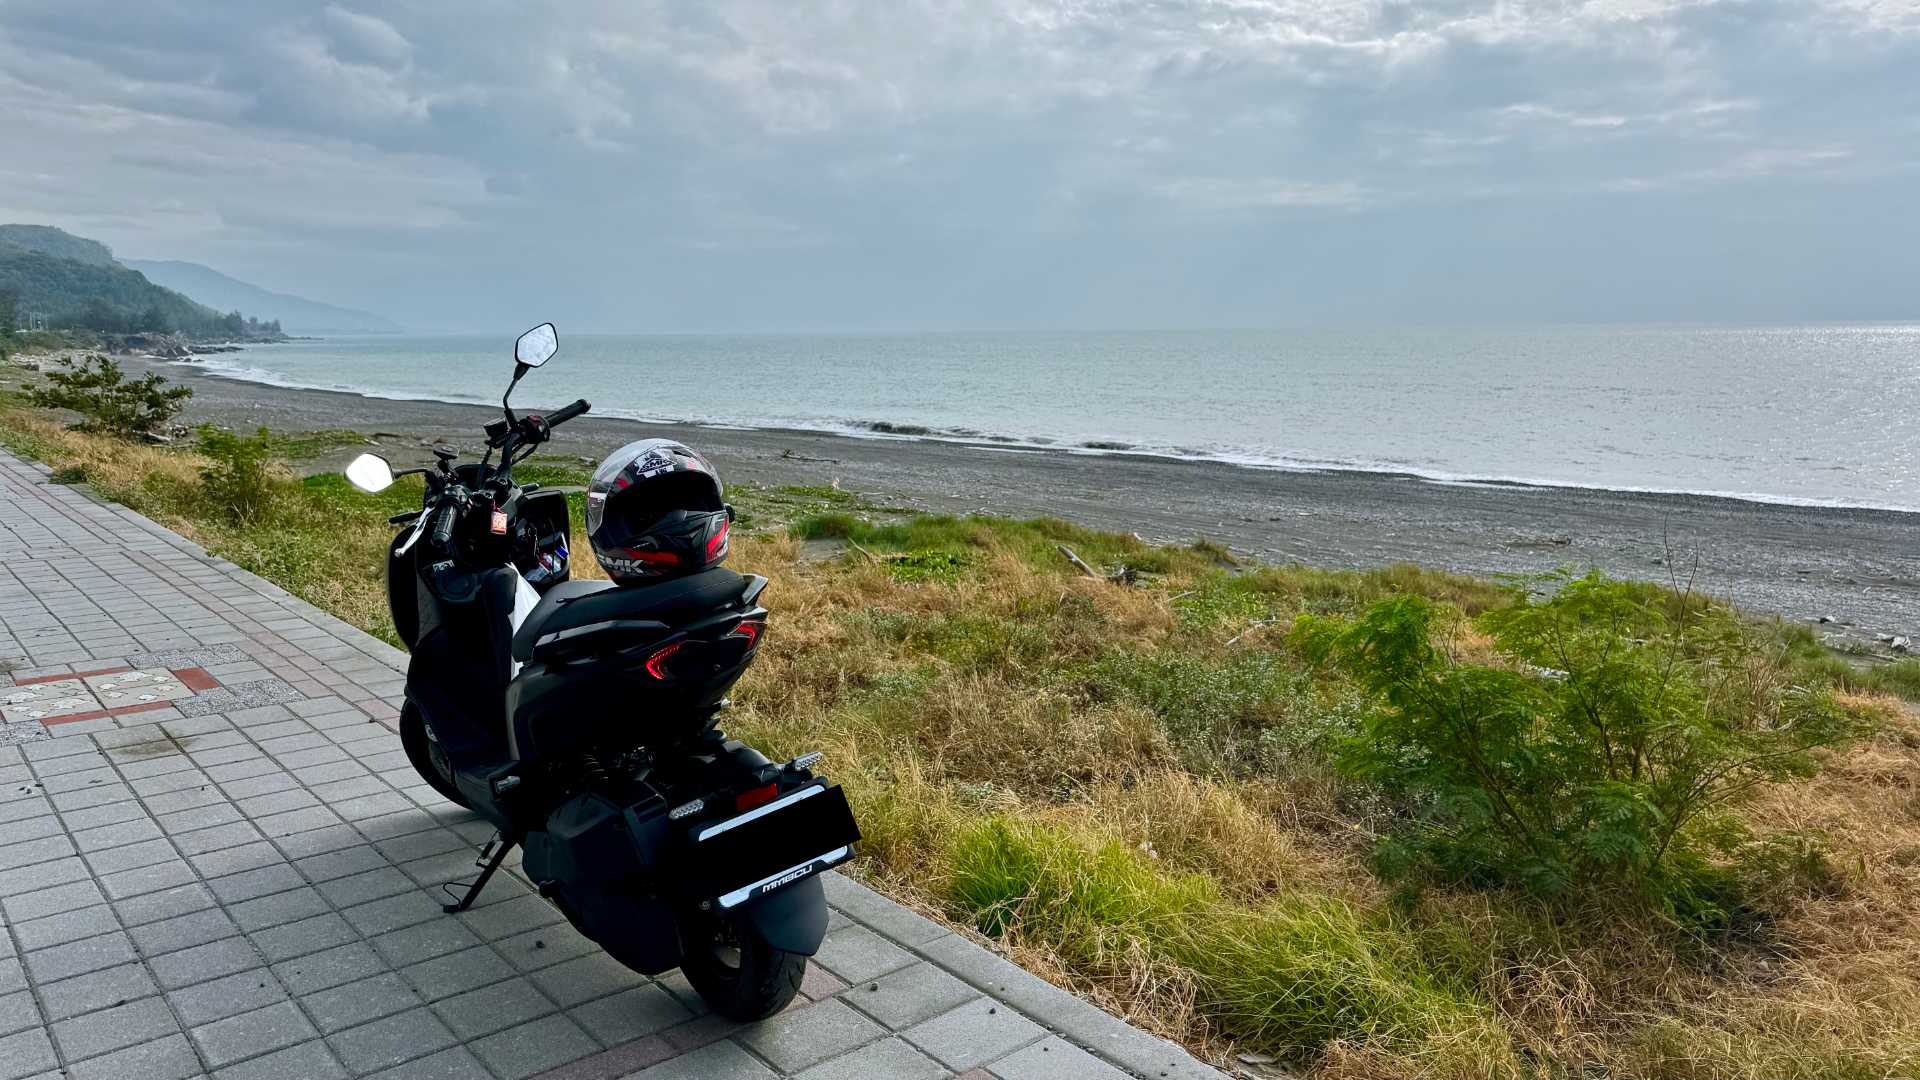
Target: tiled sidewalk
[(215, 861)]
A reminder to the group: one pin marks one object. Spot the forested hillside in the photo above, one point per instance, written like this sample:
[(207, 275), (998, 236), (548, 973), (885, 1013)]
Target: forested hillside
[(61, 281)]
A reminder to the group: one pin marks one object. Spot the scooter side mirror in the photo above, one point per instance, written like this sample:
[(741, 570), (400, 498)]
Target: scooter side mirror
[(370, 473), (537, 346)]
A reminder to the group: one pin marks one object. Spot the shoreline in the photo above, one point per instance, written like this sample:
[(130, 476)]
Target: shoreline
[(887, 431), (1859, 567)]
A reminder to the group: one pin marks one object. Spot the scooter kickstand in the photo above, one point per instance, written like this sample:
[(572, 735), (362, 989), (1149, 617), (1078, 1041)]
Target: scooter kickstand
[(490, 859)]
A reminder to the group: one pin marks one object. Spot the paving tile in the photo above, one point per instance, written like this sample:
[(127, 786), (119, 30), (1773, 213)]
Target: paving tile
[(510, 917), (305, 936), (233, 860), (798, 1038), (265, 881), (203, 962), (973, 1034), (534, 1047), (457, 973), (250, 1034), (244, 991), (545, 947), (373, 885), (168, 1058), (903, 998), (858, 955), (278, 908), (33, 878), (18, 1012), (630, 1014), (717, 1061), (79, 957), (360, 1002), (67, 926), (390, 1041), (146, 879), (182, 932), (151, 907), (424, 941), (457, 1063), (1054, 1058), (308, 1061), (94, 816), (585, 978), (321, 970), (888, 1059), (130, 857), (96, 990), (115, 1028), (217, 838), (44, 902), (345, 862)]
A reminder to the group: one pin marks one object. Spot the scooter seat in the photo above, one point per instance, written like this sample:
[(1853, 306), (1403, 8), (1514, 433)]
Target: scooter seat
[(573, 604)]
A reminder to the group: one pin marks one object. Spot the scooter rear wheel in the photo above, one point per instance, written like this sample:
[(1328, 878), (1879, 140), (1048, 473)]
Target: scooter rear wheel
[(427, 757), (737, 973)]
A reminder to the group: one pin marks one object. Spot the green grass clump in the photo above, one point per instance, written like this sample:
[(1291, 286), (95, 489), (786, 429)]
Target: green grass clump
[(1288, 977)]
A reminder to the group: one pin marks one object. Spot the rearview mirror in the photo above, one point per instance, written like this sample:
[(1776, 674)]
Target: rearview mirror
[(537, 345), (370, 472)]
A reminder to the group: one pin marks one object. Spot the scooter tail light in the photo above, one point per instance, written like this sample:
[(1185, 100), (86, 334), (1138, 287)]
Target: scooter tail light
[(750, 629), (759, 796), (656, 664)]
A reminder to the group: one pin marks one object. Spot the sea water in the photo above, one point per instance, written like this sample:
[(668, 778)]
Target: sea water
[(1824, 415)]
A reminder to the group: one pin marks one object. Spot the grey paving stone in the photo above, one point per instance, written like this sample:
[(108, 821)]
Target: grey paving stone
[(586, 977), (203, 962), (308, 1061), (146, 879), (510, 917), (33, 878), (359, 1002), (181, 822), (534, 1047), (265, 881), (342, 863), (97, 990), (79, 957), (311, 935), (67, 926), (167, 1058), (857, 955), (545, 947), (130, 857), (798, 1038), (296, 821), (278, 909), (216, 1000), (164, 904), (233, 860), (716, 1061), (1053, 1058), (386, 881), (232, 834), (888, 1059), (182, 932), (95, 816), (18, 1012), (391, 1040), (493, 1008), (457, 1063), (903, 998), (12, 975), (317, 841), (424, 941), (878, 912), (112, 1029), (457, 973), (43, 902), (973, 1034), (322, 970), (251, 1034), (32, 852), (630, 1014)]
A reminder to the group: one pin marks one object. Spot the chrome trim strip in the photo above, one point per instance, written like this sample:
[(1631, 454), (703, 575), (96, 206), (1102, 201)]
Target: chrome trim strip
[(758, 812), (740, 895)]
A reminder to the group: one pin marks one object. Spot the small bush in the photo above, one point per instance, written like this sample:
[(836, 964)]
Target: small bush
[(97, 389), (1599, 760), (237, 481)]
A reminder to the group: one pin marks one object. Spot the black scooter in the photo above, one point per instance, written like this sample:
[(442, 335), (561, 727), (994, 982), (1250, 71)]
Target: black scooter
[(581, 719)]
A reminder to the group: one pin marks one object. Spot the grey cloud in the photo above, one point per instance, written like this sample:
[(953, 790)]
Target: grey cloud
[(747, 164)]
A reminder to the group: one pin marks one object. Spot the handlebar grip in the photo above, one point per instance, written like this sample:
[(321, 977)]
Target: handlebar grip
[(443, 526), (562, 415)]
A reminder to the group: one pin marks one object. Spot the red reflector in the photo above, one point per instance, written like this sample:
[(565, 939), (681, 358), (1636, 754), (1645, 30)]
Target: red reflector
[(759, 796), (656, 664), (749, 630)]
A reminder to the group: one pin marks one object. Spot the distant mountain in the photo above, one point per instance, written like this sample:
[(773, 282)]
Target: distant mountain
[(48, 240), (296, 314), (63, 280)]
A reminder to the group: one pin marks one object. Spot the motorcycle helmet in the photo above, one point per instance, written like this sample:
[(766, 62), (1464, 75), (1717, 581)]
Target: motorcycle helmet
[(654, 511)]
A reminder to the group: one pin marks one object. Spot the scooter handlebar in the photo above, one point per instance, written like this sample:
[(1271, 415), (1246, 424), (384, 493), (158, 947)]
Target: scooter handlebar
[(562, 415)]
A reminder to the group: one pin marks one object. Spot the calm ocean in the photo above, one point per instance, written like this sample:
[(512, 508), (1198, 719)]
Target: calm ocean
[(1811, 414)]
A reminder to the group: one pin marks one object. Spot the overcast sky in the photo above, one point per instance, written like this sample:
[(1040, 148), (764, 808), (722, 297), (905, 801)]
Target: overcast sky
[(907, 164)]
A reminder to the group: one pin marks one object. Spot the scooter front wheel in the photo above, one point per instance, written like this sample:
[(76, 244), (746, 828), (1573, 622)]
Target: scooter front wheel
[(428, 759), (737, 973)]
